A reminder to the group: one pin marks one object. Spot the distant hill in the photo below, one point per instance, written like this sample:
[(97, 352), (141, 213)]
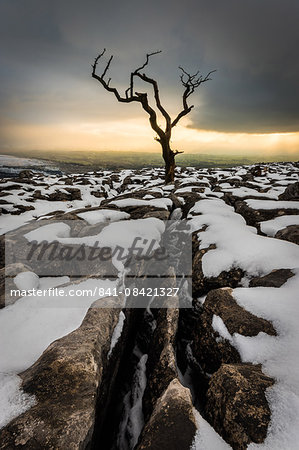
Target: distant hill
[(78, 159)]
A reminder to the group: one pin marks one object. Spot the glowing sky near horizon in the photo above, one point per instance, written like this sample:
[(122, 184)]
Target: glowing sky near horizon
[(136, 135)]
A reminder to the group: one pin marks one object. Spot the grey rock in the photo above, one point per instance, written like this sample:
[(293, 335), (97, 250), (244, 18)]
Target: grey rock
[(276, 278), (290, 233), (172, 425), (237, 406)]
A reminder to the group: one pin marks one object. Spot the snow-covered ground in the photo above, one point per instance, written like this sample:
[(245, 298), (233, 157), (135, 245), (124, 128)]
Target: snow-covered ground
[(108, 199), (270, 227), (237, 244), (15, 161)]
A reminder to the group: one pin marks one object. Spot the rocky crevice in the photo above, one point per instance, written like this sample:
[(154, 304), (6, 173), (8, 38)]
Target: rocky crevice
[(166, 342), (184, 344)]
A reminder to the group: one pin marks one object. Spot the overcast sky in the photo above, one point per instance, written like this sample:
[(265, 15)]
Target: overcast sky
[(47, 47)]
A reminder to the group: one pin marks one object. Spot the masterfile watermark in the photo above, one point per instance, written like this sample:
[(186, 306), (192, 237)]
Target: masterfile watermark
[(146, 260), (140, 249), (100, 291)]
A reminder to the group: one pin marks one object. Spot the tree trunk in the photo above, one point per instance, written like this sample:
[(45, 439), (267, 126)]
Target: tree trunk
[(169, 158), (169, 169)]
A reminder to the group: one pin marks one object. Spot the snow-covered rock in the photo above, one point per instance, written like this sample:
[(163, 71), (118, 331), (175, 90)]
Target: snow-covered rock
[(26, 281)]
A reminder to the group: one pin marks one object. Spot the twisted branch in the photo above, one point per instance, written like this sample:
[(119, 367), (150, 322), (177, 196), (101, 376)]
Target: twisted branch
[(190, 82), (106, 84)]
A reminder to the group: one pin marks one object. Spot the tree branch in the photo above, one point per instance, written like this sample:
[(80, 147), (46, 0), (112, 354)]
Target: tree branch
[(148, 55), (106, 85), (183, 113), (107, 67), (152, 113), (165, 114), (176, 152), (190, 82), (154, 83)]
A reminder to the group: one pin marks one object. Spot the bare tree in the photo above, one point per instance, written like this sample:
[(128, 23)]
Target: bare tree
[(189, 82)]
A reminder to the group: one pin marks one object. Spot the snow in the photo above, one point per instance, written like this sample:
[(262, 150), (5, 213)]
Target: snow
[(271, 204), (189, 181), (278, 355), (28, 326), (50, 232), (42, 207), (113, 235), (285, 182), (26, 280), (13, 400), (237, 244), (270, 227), (219, 326), (168, 187), (247, 192), (40, 282), (136, 421), (187, 189), (162, 203), (241, 172), (103, 215), (206, 437), (133, 420), (148, 197), (15, 161), (208, 192), (52, 282), (117, 332)]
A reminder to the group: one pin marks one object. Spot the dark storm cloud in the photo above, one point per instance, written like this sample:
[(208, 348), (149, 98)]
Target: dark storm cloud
[(254, 45), (47, 46)]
